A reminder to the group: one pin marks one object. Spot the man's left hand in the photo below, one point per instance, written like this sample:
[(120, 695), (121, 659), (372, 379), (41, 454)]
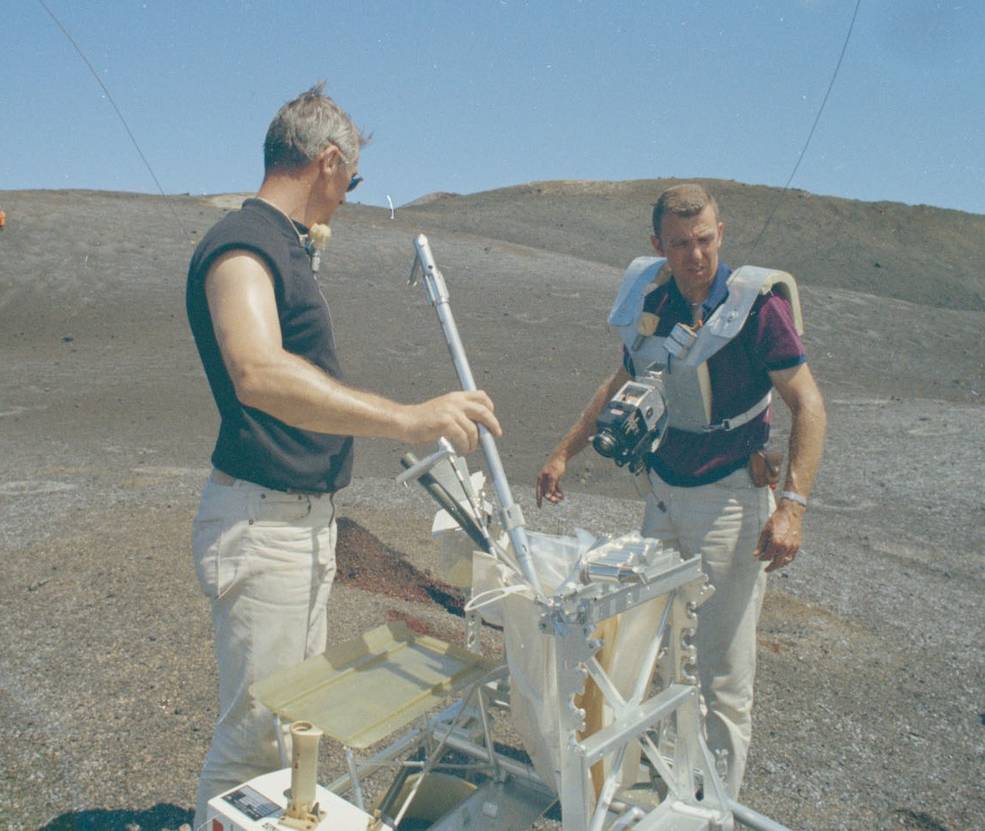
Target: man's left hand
[(779, 540)]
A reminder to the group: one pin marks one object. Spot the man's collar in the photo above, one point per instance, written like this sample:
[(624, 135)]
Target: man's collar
[(269, 209), (718, 291), (716, 294)]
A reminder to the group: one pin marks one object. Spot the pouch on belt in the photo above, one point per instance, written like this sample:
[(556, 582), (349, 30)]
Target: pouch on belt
[(765, 466)]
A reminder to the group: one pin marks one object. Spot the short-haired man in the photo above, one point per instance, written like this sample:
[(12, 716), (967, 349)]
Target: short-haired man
[(264, 536), (703, 500)]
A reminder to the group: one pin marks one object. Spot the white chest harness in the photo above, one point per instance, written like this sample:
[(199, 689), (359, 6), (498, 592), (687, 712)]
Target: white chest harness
[(682, 356)]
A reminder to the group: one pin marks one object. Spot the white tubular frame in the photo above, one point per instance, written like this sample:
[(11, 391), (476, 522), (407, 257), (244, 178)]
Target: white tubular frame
[(665, 721)]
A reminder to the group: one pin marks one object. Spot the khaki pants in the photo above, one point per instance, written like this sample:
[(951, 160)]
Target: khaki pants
[(266, 561), (720, 522)]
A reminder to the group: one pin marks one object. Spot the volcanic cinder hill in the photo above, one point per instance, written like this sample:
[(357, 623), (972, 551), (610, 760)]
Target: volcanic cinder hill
[(870, 712)]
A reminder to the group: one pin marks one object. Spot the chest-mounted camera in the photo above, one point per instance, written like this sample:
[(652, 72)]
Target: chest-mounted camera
[(633, 423)]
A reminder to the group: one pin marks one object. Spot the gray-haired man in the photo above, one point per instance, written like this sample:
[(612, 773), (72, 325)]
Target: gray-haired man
[(264, 537)]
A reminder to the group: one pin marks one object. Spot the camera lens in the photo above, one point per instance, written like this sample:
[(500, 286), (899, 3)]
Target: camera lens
[(605, 443)]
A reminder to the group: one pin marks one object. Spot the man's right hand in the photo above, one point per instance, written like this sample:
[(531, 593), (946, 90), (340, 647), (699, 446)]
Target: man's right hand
[(576, 440), (549, 481), (455, 416)]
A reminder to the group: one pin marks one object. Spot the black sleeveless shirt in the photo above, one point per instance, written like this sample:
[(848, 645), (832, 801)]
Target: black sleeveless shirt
[(252, 444)]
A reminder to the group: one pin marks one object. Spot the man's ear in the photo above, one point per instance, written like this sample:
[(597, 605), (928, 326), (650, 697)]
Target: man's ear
[(329, 159), (655, 242)]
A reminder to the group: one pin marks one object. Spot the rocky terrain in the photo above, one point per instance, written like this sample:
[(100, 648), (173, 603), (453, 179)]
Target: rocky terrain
[(870, 711)]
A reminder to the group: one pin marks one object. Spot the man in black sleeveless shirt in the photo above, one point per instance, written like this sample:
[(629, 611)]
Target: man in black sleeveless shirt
[(264, 536)]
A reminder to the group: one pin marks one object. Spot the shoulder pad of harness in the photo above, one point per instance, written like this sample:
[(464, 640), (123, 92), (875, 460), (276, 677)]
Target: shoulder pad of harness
[(765, 280), (641, 272)]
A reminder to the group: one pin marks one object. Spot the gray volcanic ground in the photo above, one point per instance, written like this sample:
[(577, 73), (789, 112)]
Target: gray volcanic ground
[(870, 711)]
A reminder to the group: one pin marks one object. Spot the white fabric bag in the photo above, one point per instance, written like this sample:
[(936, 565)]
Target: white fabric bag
[(502, 597), (529, 652)]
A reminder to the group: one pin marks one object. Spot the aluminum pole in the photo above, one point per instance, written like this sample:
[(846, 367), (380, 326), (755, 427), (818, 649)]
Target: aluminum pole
[(510, 515)]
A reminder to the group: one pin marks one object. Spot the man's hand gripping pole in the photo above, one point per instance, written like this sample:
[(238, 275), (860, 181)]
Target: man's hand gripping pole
[(509, 512)]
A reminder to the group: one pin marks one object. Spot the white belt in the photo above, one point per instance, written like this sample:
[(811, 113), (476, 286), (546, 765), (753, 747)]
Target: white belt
[(742, 418)]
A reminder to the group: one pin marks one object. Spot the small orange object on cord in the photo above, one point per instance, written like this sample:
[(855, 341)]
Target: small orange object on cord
[(3, 219)]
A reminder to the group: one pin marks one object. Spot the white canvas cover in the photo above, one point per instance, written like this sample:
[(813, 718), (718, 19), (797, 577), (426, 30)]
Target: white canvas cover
[(502, 599)]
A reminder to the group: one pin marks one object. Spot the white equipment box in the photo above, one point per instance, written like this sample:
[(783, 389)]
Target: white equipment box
[(257, 805)]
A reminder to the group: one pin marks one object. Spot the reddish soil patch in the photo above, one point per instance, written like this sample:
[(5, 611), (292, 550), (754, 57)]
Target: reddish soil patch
[(364, 562), (449, 634), (412, 622)]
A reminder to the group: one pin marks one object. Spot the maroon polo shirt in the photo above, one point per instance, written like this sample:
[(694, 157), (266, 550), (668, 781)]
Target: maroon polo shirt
[(739, 378)]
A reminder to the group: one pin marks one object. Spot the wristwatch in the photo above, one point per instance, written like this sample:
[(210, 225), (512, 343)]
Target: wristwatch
[(793, 496)]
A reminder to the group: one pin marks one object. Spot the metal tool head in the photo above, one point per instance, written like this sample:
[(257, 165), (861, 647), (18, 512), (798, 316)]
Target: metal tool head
[(423, 260), (417, 470)]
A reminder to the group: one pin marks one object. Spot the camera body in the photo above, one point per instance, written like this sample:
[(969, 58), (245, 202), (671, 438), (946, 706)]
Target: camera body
[(633, 422)]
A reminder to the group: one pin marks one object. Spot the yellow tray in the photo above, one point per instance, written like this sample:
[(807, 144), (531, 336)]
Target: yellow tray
[(365, 689)]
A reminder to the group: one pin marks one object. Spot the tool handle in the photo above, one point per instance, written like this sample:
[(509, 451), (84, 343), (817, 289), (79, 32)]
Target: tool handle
[(510, 514)]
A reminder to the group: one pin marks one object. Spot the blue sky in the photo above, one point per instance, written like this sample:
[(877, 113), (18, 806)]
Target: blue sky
[(469, 96)]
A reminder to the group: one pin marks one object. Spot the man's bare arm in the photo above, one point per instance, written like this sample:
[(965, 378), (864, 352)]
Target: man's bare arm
[(240, 293), (781, 536), (576, 439)]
